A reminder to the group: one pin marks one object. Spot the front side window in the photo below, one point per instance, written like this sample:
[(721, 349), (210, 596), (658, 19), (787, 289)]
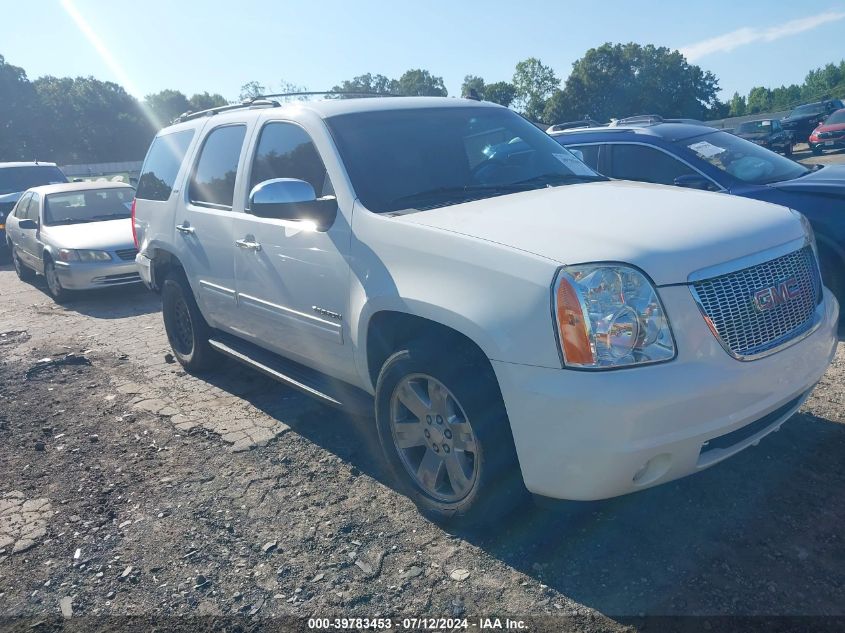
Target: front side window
[(20, 207), (93, 205), (646, 164), (32, 207), (286, 151), (587, 153), (420, 158), (742, 159), (14, 179), (162, 165), (213, 182)]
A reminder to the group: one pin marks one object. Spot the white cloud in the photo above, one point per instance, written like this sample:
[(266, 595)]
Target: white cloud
[(748, 35)]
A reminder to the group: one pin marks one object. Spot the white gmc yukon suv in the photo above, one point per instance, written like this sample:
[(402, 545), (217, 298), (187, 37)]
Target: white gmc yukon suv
[(515, 321)]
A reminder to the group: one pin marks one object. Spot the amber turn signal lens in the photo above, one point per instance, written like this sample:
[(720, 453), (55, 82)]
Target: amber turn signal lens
[(574, 337)]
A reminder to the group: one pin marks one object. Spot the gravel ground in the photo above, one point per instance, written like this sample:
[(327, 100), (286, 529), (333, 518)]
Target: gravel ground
[(128, 488)]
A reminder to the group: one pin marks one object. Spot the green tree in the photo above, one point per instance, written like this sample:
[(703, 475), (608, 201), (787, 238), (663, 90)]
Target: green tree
[(205, 101), (167, 105), (501, 92), (250, 90), (85, 120), (737, 105), (473, 82), (619, 80), (18, 105), (367, 83), (759, 100), (420, 83), (534, 83)]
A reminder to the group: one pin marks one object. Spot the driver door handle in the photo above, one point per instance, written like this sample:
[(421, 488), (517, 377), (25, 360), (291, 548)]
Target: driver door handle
[(185, 229), (248, 244)]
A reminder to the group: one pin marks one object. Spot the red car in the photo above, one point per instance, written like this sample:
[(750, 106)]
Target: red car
[(830, 134)]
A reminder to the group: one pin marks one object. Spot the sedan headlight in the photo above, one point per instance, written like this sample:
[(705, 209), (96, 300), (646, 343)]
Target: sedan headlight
[(71, 255), (609, 315)]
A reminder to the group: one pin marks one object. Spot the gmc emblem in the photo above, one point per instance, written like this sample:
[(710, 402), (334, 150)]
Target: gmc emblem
[(769, 298)]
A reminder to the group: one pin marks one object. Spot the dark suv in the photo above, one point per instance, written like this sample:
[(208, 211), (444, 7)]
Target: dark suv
[(804, 119), (767, 132), (15, 178)]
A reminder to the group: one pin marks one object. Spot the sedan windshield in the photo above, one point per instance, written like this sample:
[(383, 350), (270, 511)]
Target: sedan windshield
[(836, 117), (743, 159), (425, 158), (93, 205), (15, 179)]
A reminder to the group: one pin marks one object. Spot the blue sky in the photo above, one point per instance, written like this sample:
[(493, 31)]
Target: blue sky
[(192, 46)]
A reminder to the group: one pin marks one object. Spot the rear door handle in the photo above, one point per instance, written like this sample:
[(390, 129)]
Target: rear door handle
[(185, 229), (248, 245)]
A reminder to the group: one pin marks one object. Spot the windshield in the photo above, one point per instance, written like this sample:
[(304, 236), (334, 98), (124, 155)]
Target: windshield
[(15, 179), (94, 205), (804, 110), (836, 117), (743, 159), (755, 127), (423, 158)]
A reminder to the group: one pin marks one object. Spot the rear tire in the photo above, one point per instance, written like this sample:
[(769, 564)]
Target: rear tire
[(816, 151), (833, 278), (23, 272), (187, 330), (446, 437), (787, 151)]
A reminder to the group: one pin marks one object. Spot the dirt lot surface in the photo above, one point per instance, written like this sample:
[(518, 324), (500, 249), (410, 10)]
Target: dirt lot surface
[(802, 154), (128, 488)]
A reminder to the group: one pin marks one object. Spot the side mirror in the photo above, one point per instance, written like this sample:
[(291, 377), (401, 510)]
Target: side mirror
[(694, 181), (28, 225), (292, 199), (577, 153)]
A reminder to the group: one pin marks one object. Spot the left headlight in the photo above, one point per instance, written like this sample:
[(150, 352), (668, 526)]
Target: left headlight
[(609, 315), (70, 255)]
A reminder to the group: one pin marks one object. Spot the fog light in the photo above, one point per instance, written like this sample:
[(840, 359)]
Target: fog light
[(653, 469)]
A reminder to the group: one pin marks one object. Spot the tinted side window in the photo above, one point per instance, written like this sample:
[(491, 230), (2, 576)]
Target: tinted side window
[(637, 162), (213, 182), (588, 153), (286, 151), (162, 165), (20, 207)]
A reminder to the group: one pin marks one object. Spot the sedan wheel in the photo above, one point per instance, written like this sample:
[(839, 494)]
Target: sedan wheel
[(23, 273), (434, 438), (53, 282)]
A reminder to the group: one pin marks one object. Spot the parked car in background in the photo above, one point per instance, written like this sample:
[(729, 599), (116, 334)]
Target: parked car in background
[(804, 119), (509, 318), (15, 178), (713, 160), (768, 133), (830, 134), (78, 235)]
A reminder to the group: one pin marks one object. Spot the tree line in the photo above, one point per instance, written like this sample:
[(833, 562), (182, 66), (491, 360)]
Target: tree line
[(822, 83), (85, 120)]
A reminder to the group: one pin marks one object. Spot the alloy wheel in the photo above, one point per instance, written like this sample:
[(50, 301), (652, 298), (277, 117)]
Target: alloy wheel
[(434, 438)]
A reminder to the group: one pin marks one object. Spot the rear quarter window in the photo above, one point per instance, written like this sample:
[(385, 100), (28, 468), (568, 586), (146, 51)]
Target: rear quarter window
[(162, 165)]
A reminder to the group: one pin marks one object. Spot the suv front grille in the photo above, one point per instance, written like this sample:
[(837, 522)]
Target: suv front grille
[(127, 254), (755, 310)]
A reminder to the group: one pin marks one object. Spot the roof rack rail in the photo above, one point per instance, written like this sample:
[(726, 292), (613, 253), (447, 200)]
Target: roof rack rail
[(646, 119), (269, 101)]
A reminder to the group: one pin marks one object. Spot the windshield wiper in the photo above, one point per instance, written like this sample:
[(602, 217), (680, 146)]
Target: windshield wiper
[(109, 216), (561, 179), (447, 192)]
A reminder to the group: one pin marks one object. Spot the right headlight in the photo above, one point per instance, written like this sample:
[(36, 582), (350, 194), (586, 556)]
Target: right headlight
[(608, 316)]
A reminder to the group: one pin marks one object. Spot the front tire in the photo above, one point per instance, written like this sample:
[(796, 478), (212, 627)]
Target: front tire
[(54, 284), (817, 151), (187, 330), (787, 151), (446, 438)]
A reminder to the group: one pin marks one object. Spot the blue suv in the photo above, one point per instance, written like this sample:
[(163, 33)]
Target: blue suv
[(701, 157)]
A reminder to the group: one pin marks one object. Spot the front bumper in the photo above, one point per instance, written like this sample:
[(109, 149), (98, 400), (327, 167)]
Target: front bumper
[(144, 266), (592, 435), (90, 275), (835, 143)]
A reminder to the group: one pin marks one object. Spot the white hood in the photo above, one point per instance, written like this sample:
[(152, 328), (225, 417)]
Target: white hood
[(668, 232), (103, 236)]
